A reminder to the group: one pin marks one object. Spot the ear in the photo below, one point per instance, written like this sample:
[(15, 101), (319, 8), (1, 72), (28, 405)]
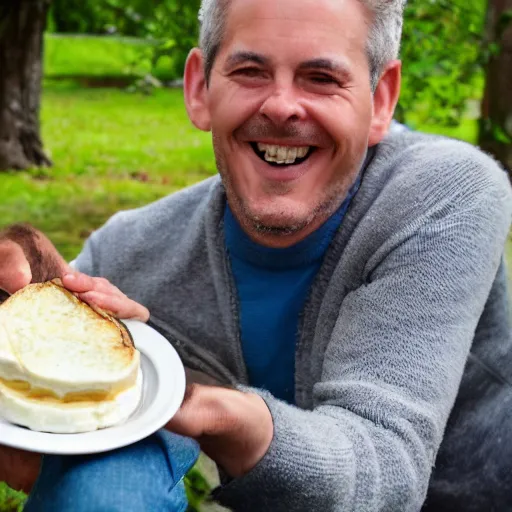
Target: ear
[(195, 90), (385, 99)]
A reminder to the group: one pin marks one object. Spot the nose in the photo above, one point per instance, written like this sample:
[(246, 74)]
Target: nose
[(283, 105)]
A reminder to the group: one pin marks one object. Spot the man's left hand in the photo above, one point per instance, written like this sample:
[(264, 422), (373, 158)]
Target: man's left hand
[(235, 429)]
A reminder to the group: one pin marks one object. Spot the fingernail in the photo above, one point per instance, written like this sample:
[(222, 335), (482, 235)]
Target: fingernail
[(70, 277)]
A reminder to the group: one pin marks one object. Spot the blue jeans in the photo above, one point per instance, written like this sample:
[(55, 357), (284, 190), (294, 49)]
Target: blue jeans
[(146, 476)]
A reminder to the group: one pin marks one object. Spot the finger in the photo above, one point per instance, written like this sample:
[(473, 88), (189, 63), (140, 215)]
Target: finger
[(15, 270), (81, 283), (78, 282), (105, 286), (120, 306)]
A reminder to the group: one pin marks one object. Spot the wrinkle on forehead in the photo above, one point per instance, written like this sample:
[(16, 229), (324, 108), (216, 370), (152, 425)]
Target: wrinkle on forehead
[(299, 11), (321, 26)]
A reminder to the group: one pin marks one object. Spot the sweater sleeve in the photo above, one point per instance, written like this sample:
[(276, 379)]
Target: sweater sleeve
[(89, 260), (391, 372), (85, 261)]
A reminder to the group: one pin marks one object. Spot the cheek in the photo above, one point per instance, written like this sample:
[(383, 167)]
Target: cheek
[(348, 123), (230, 106), (342, 111)]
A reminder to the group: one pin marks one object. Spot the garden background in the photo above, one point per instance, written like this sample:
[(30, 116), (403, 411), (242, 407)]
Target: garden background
[(113, 124)]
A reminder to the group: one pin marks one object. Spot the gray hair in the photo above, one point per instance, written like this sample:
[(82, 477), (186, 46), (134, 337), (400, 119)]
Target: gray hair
[(383, 42)]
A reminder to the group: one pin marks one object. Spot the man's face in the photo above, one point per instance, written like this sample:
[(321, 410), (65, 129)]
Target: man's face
[(290, 107)]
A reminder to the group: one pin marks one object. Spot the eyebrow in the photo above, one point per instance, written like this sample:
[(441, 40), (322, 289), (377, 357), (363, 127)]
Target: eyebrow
[(240, 57), (337, 67)]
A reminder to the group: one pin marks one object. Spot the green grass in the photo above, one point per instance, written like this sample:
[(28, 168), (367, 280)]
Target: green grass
[(11, 500), (112, 150), (100, 56)]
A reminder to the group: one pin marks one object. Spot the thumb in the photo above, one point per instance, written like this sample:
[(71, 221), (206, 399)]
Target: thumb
[(15, 270)]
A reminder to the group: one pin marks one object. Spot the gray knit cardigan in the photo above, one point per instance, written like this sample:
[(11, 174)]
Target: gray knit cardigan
[(407, 315)]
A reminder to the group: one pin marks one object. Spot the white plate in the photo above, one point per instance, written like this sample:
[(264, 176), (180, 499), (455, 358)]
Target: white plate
[(162, 393)]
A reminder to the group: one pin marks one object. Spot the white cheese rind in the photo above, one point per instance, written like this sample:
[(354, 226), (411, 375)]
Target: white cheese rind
[(69, 418)]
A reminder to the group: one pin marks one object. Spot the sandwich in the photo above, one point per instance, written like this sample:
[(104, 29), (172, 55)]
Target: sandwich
[(65, 366)]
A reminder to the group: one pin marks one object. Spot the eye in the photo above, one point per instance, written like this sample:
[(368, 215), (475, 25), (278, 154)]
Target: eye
[(250, 72), (321, 78)]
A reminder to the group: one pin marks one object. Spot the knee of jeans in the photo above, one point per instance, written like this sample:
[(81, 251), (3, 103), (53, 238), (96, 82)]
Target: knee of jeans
[(144, 476), (182, 452)]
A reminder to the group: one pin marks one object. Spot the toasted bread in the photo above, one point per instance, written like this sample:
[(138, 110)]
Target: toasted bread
[(64, 365)]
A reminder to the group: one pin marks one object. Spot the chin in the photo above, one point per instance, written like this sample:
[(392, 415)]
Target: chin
[(278, 215)]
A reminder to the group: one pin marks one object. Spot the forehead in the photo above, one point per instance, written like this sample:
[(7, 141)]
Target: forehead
[(297, 28)]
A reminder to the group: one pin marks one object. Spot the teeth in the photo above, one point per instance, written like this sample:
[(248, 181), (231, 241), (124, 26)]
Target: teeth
[(302, 152), (292, 156), (282, 154)]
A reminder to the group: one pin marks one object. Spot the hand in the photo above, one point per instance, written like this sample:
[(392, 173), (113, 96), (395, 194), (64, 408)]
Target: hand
[(16, 272), (235, 429), (100, 292), (19, 469), (27, 256)]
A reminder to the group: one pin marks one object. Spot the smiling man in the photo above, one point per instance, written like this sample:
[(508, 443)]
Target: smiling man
[(340, 285), (289, 100)]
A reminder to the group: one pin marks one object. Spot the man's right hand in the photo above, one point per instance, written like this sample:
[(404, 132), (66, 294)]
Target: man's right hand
[(102, 293)]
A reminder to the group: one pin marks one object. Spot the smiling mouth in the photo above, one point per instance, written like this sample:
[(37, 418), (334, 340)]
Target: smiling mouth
[(279, 156)]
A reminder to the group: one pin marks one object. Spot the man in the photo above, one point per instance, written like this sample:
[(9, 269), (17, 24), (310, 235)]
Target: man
[(341, 286)]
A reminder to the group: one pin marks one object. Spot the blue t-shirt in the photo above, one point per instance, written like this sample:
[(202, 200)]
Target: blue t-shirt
[(273, 286)]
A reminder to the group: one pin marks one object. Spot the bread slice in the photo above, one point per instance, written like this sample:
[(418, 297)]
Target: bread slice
[(64, 366)]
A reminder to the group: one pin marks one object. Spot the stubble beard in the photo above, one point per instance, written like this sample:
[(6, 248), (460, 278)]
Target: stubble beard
[(255, 221)]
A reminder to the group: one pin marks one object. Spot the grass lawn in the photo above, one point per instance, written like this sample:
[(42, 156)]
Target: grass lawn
[(112, 150)]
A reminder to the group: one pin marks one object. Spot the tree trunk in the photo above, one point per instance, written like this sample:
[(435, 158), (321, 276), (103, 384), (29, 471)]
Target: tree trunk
[(22, 23), (496, 122)]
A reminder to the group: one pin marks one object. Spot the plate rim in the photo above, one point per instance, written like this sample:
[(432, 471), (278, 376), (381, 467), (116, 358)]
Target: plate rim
[(163, 407)]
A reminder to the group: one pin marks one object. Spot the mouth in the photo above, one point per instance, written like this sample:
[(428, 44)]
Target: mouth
[(281, 156)]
